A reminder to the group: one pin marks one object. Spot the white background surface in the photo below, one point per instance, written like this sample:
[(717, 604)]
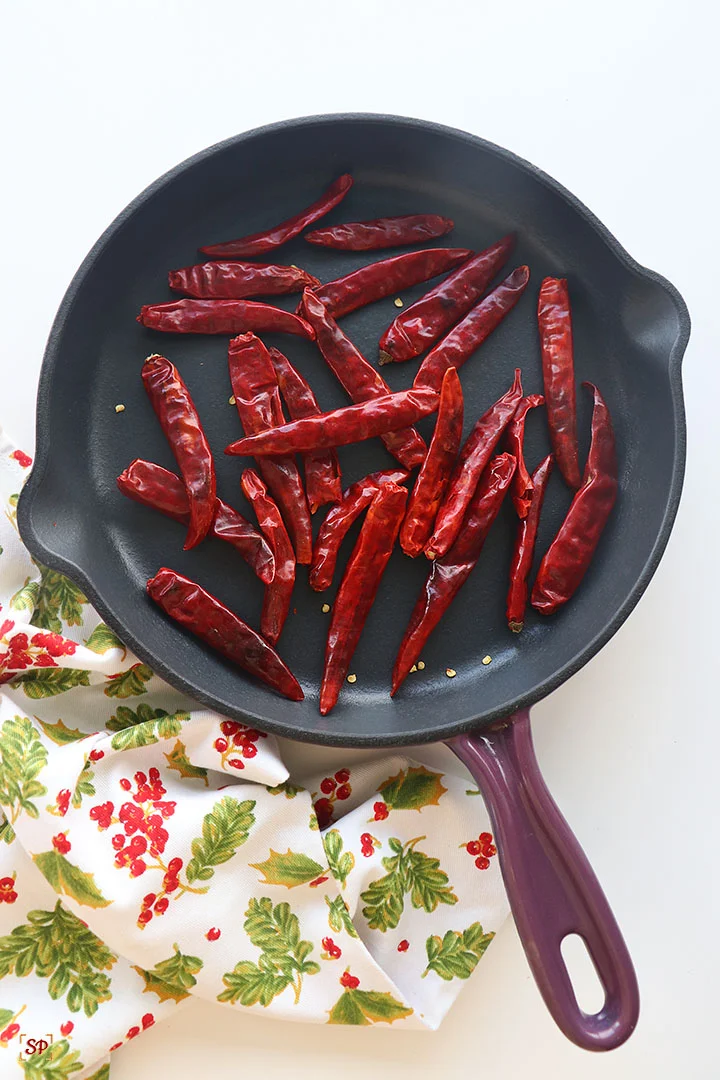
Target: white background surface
[(619, 101)]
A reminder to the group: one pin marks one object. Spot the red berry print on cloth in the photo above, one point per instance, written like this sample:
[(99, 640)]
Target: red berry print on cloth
[(97, 755), (67, 1028), (22, 458), (404, 945), (350, 982), (62, 803), (147, 1021), (61, 843), (380, 811), (237, 742), (213, 933), (9, 1033), (368, 844), (8, 895), (38, 651), (140, 847), (331, 951), (482, 850), (333, 789)]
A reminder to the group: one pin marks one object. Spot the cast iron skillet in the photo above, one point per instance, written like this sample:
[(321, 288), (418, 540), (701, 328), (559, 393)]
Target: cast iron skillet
[(631, 329)]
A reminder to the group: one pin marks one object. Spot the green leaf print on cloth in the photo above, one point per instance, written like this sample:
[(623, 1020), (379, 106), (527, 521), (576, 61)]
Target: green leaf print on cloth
[(58, 1062), (224, 829), (102, 639), (362, 1007), (61, 734), (178, 760), (339, 862), (69, 879), (284, 957), (408, 871), (291, 869), (339, 916), (45, 684), (144, 727), (412, 788), (57, 599), (455, 956), (22, 759), (172, 979), (26, 598), (84, 785), (58, 947), (130, 683)]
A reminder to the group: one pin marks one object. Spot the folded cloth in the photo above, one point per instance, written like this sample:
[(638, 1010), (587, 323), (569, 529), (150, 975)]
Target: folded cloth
[(153, 851)]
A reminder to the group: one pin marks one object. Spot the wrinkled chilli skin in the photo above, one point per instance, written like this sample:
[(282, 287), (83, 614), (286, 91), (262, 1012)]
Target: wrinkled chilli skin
[(451, 572), (322, 468), (462, 341), (203, 615), (418, 326), (524, 548), (436, 469), (238, 280), (558, 365), (221, 317), (355, 423), (339, 520), (359, 587), (278, 594), (270, 239), (153, 486), (474, 456), (387, 277), (381, 232), (566, 561), (174, 408)]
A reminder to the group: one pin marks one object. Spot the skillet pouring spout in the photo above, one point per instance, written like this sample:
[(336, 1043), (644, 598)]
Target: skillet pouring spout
[(551, 886)]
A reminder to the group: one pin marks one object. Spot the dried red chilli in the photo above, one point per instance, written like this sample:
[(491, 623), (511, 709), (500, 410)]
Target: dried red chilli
[(418, 326), (205, 616), (524, 548), (449, 573), (359, 587), (238, 280), (322, 468), (381, 232), (340, 427), (435, 471), (340, 519), (278, 593), (556, 342), (155, 487), (462, 341), (387, 278), (359, 378), (474, 456), (221, 317), (174, 408), (269, 239), (514, 439), (257, 400), (567, 559)]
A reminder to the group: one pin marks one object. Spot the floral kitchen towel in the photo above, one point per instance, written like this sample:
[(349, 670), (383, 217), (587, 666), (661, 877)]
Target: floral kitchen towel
[(152, 851)]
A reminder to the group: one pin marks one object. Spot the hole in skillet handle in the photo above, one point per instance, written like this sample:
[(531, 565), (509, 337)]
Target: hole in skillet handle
[(588, 989), (552, 889)]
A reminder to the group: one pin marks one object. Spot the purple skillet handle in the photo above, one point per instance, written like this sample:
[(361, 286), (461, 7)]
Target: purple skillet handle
[(551, 886)]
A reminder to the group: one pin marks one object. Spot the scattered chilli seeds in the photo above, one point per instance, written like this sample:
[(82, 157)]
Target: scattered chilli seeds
[(421, 665), (325, 608), (231, 399), (398, 302), (487, 660), (352, 678), (119, 408), (450, 672)]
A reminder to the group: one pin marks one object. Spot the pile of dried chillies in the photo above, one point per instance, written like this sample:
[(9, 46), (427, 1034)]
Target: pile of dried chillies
[(448, 509)]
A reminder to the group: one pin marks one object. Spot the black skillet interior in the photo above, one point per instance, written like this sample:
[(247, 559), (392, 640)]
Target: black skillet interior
[(630, 326)]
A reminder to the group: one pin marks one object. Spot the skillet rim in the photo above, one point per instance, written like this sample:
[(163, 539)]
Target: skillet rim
[(441, 731)]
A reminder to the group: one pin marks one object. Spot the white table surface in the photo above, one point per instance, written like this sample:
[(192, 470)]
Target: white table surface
[(620, 102)]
